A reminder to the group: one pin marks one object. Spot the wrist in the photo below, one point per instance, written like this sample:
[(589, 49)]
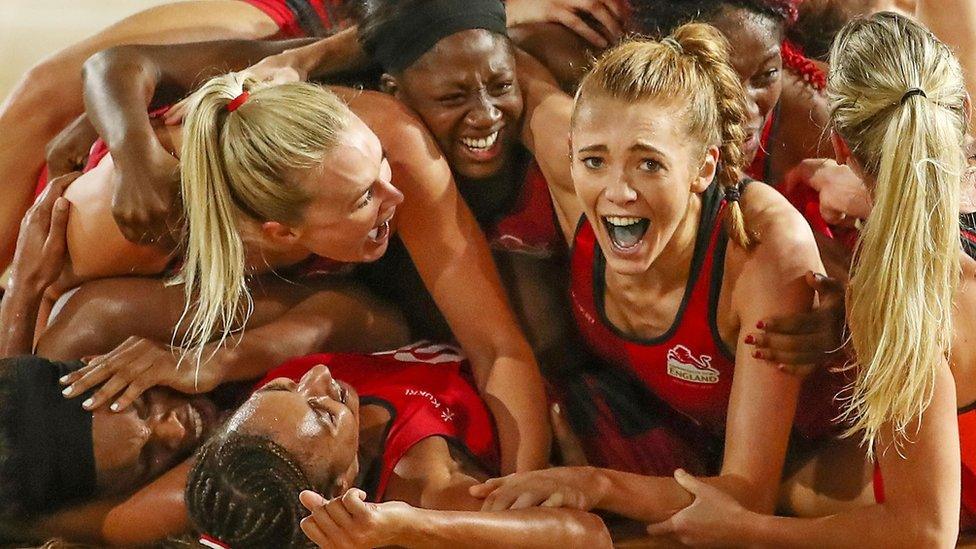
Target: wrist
[(598, 484), (25, 283), (748, 527), (408, 526)]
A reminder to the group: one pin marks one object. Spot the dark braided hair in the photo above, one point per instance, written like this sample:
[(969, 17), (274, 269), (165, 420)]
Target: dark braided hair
[(243, 490)]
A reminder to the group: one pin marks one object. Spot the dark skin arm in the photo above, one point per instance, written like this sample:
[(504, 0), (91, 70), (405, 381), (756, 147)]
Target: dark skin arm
[(429, 506), (120, 84)]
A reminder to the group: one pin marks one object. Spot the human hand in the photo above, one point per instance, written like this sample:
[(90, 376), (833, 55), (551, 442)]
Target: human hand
[(801, 342), (133, 367), (147, 198), (573, 487), (844, 198), (68, 151), (349, 522), (577, 15), (709, 521), (42, 244)]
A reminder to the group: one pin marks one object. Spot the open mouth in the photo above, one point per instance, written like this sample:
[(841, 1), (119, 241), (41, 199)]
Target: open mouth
[(380, 232), (626, 233), (482, 148), (199, 418)]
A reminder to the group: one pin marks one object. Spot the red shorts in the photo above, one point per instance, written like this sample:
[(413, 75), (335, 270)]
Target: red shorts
[(967, 447), (304, 18)]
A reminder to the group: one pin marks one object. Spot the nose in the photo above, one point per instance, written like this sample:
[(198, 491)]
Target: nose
[(392, 197), (753, 113), (169, 432), (317, 382), (484, 114), (620, 192)]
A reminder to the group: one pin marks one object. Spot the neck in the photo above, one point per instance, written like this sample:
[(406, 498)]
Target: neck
[(672, 267), (373, 421), (263, 257)]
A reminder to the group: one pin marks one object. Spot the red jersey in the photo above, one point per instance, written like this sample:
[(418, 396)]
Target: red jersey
[(531, 226), (688, 367), (304, 18), (428, 392)]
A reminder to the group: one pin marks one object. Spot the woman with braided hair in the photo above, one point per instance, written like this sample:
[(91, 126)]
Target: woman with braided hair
[(406, 426), (675, 260)]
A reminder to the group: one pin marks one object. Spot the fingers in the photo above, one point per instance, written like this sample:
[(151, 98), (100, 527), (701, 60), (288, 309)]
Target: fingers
[(135, 389), (55, 245), (326, 532), (484, 489), (825, 286), (663, 528), (354, 501), (687, 481), (526, 500), (570, 447), (605, 17), (174, 116), (314, 533), (577, 25)]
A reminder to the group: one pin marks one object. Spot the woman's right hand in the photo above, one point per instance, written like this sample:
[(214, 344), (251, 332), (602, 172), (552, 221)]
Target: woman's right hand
[(577, 15), (146, 201), (41, 245), (573, 487)]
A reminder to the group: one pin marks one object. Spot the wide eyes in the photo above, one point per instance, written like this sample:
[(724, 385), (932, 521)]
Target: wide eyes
[(650, 165), (645, 165), (766, 77), (367, 198), (592, 162)]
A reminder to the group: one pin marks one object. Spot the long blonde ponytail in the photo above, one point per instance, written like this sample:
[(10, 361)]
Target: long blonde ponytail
[(896, 96), (248, 163), (690, 67)]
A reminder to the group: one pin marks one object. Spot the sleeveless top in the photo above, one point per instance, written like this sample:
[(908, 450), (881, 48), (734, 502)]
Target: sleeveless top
[(428, 392)]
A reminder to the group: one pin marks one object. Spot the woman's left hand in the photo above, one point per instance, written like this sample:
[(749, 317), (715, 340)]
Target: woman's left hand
[(572, 487), (42, 244), (708, 522), (133, 367)]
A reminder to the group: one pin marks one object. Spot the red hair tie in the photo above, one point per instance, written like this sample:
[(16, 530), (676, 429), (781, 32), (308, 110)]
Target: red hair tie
[(210, 541), (238, 101)]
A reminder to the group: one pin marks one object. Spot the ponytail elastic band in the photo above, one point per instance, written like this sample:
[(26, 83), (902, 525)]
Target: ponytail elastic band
[(210, 541), (733, 193), (912, 92), (238, 101), (674, 44)]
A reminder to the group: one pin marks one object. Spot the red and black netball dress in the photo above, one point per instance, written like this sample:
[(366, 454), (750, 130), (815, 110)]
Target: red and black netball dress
[(685, 374), (304, 18), (428, 392), (530, 227)]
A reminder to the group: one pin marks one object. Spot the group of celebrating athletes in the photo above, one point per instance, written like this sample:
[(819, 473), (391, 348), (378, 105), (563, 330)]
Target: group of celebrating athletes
[(534, 273)]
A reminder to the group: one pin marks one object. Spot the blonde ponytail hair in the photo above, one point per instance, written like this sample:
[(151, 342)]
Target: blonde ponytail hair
[(896, 96), (247, 162), (691, 69)]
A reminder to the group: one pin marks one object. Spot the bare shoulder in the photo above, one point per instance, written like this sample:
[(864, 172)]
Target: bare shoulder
[(396, 124), (784, 240)]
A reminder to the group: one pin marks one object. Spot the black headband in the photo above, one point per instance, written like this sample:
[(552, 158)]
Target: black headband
[(400, 42), (50, 455)]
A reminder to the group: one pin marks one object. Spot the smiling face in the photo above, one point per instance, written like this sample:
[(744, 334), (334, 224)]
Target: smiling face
[(352, 200), (160, 429), (755, 41), (635, 170), (316, 420), (466, 92)]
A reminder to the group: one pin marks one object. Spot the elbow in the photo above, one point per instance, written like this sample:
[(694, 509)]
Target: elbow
[(935, 533), (115, 62)]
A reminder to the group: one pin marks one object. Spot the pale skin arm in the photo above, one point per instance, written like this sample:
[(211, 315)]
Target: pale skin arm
[(921, 507), (954, 22), (453, 259)]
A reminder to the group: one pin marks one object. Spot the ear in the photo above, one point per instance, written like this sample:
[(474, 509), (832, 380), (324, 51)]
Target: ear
[(388, 84), (842, 153), (707, 171), (279, 233)]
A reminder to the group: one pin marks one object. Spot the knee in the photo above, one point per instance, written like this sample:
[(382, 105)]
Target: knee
[(92, 322)]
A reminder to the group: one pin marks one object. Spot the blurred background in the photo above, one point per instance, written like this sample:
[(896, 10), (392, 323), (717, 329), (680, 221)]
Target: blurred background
[(32, 29)]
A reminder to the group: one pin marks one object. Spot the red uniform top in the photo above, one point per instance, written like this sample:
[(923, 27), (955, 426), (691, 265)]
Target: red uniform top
[(688, 367), (304, 18), (530, 227), (426, 389)]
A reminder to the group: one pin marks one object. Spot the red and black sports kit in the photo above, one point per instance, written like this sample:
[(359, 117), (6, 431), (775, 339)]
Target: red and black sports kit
[(678, 384), (428, 392), (304, 18)]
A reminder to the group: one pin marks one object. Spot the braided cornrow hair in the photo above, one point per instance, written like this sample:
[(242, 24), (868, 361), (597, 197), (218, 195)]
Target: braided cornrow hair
[(711, 52), (243, 490)]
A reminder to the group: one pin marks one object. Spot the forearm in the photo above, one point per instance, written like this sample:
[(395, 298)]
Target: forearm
[(18, 317), (954, 22), (337, 54), (513, 391), (525, 528), (863, 528), (654, 499)]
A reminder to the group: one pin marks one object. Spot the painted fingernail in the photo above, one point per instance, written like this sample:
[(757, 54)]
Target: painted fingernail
[(761, 325), (749, 340), (63, 379), (67, 391), (87, 404), (114, 407), (757, 354)]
